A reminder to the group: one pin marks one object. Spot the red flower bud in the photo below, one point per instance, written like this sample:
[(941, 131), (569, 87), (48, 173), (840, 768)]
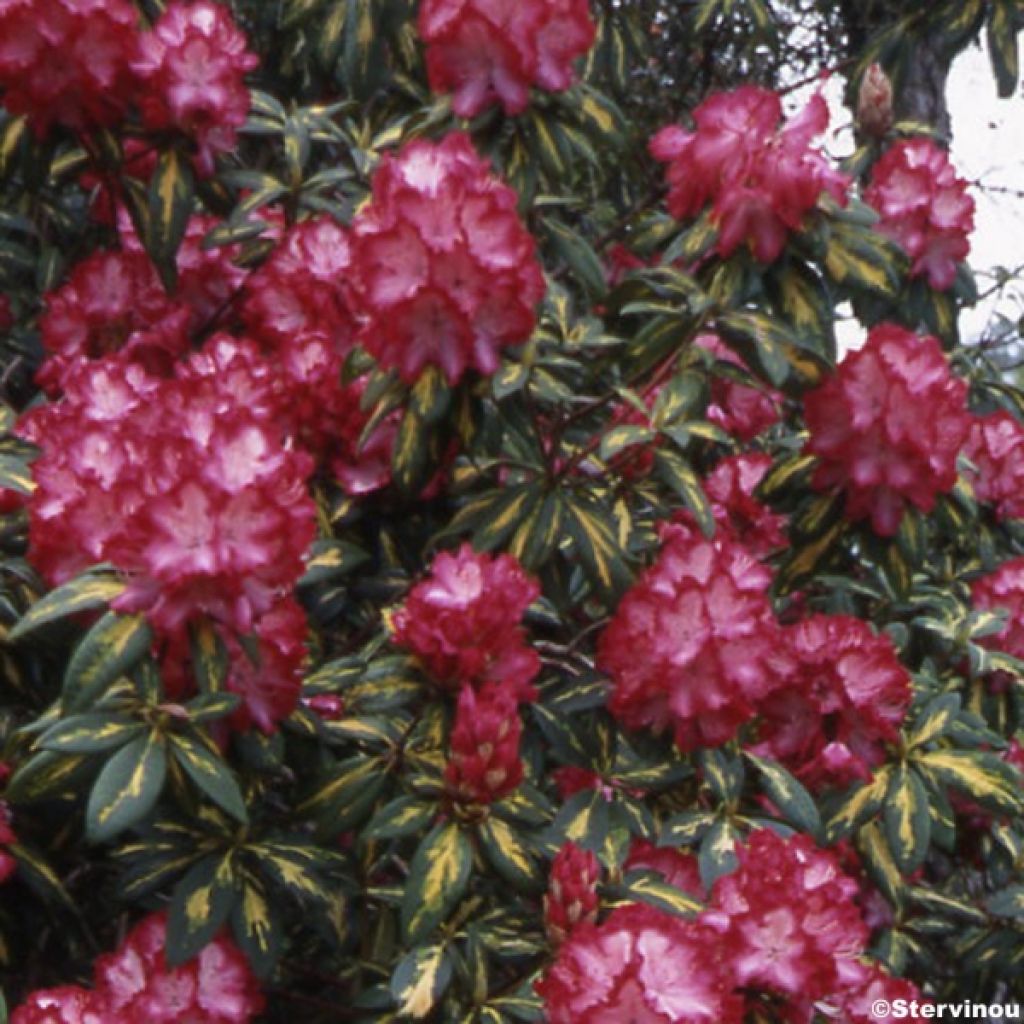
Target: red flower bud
[(484, 763), (572, 891), (874, 102)]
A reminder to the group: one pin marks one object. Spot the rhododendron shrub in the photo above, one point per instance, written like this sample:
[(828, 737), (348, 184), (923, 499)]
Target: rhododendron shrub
[(449, 569)]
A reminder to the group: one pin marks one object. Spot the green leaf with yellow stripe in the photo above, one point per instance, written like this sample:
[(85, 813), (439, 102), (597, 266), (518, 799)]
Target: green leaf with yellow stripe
[(15, 475), (679, 475), (112, 647), (420, 980), (400, 817), (717, 853), (200, 905), (603, 559), (509, 855), (907, 819), (859, 258), (980, 775), (579, 256), (438, 876), (127, 788), (1008, 902), (347, 794), (934, 719), (860, 804), (45, 776), (293, 866), (649, 887), (83, 594), (171, 191), (330, 560), (90, 733), (255, 927), (36, 872), (802, 299), (507, 513), (209, 657), (788, 794), (538, 534), (207, 769), (880, 863)]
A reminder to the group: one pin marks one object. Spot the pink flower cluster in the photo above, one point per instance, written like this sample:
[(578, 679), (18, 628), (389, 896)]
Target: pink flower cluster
[(694, 644), (730, 487), (738, 409), (845, 697), (463, 622), (67, 61), (83, 63), (924, 207), (783, 925), (995, 446), (868, 429), (446, 270), (760, 180), (186, 486), (190, 68), (483, 763), (486, 53), (136, 986)]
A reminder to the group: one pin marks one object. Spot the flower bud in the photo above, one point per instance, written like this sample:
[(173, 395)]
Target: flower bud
[(572, 891), (874, 102)]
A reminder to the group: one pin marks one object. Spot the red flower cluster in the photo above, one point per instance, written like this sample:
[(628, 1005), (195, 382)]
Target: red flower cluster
[(463, 622), (760, 179), (191, 67), (738, 409), (135, 986), (995, 446), (111, 302), (445, 268), (694, 643), (642, 965), (1003, 588), (186, 486), (788, 918), (67, 61), (845, 699), (867, 429), (484, 763), (488, 53), (730, 486), (924, 207), (572, 891), (83, 63)]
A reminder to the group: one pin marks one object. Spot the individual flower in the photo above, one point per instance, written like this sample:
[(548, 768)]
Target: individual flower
[(759, 179), (483, 762), (192, 66), (924, 207), (1003, 589), (845, 698), (867, 428), (730, 487), (693, 644), (68, 1004), (111, 302), (67, 62), (572, 891), (644, 966), (995, 447), (788, 919), (485, 53), (739, 409), (215, 987), (446, 272), (463, 622)]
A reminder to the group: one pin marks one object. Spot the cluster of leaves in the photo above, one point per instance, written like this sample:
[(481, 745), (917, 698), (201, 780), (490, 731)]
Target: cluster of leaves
[(329, 848)]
